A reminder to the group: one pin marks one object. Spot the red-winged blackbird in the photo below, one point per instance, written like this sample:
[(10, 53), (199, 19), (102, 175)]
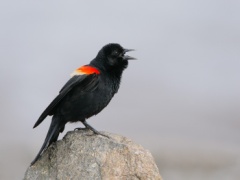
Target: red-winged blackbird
[(89, 90)]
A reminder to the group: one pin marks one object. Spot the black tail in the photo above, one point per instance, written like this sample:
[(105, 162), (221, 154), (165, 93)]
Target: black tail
[(55, 128)]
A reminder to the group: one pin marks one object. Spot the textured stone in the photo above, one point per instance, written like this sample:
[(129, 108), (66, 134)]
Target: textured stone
[(82, 155)]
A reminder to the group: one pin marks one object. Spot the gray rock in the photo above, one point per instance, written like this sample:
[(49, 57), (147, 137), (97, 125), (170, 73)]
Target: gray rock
[(82, 155)]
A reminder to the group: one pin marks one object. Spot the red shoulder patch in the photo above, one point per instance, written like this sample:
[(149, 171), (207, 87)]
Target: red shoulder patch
[(85, 70)]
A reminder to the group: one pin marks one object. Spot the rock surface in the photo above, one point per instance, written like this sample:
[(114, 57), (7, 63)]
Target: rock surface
[(82, 155)]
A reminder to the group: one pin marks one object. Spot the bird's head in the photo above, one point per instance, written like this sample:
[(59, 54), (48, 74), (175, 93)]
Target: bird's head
[(113, 56)]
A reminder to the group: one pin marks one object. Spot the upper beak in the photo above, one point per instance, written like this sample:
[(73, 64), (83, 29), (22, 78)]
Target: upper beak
[(126, 57)]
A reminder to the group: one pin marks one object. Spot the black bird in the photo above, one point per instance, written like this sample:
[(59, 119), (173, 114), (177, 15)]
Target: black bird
[(87, 92)]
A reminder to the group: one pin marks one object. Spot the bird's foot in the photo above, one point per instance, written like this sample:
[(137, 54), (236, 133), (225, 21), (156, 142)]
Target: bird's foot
[(79, 129), (94, 130), (98, 133)]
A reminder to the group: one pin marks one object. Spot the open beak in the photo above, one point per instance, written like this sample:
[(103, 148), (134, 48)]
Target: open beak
[(126, 57)]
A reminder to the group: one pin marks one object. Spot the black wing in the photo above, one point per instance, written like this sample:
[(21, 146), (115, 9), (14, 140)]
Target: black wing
[(87, 83)]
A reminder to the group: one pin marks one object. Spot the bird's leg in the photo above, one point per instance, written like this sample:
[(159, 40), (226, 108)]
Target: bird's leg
[(92, 129)]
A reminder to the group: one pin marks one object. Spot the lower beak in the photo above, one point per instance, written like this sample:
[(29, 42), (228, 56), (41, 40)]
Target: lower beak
[(126, 57)]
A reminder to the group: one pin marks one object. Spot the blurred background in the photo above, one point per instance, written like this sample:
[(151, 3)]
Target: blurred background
[(180, 99)]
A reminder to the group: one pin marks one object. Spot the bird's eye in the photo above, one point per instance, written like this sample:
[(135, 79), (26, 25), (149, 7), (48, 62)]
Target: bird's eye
[(115, 53)]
